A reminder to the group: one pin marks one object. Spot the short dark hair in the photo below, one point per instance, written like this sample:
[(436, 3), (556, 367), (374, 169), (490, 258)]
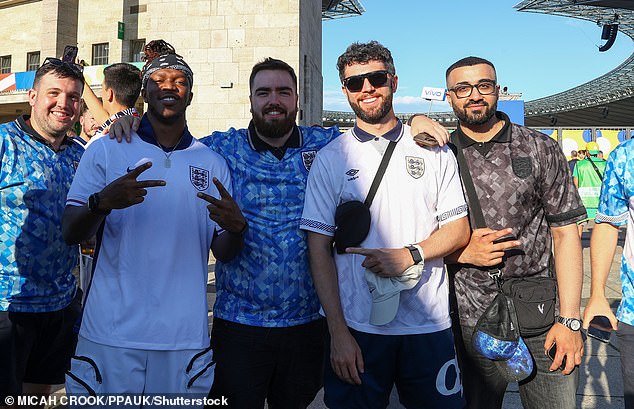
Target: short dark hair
[(364, 53), (468, 62), (272, 64), (60, 71), (125, 82)]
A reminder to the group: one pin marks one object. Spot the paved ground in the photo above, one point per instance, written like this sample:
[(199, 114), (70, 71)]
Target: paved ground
[(600, 378)]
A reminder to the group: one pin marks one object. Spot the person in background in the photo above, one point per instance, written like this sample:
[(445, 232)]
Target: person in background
[(587, 177), (120, 90), (88, 126), (573, 160)]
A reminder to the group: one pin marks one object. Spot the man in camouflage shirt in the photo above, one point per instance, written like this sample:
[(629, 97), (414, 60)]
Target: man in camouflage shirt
[(525, 190)]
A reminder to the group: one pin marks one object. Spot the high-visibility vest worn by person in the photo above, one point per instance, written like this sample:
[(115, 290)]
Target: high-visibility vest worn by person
[(589, 183)]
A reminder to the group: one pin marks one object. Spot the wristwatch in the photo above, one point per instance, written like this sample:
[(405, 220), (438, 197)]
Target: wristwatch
[(93, 205), (572, 323), (417, 253)]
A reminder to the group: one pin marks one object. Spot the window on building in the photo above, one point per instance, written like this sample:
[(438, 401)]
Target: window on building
[(5, 64), (136, 50), (32, 61), (100, 54)]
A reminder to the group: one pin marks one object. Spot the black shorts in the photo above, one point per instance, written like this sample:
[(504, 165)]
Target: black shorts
[(35, 347), (283, 366)]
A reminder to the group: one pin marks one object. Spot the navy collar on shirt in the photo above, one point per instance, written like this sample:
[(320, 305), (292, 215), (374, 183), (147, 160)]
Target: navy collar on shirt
[(259, 145), (393, 134), (24, 125), (293, 141), (146, 132)]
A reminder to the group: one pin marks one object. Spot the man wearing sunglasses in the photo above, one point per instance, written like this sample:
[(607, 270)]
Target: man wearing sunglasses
[(378, 337), (525, 189), (38, 300)]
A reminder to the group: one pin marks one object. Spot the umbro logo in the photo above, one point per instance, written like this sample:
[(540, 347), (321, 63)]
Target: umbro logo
[(353, 174)]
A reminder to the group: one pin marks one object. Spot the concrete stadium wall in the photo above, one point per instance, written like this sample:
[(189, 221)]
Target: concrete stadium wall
[(220, 39)]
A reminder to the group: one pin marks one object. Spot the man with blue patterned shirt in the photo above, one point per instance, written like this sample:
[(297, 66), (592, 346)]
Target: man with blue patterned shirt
[(38, 303), (267, 335), (616, 210)]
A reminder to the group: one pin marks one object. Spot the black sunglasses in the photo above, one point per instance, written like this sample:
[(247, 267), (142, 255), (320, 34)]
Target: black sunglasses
[(376, 78), (76, 68)]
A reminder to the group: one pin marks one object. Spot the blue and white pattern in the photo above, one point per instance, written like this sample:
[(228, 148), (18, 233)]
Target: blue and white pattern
[(269, 283), (35, 262), (616, 206)]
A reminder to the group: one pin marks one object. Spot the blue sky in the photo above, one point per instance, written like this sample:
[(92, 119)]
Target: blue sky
[(535, 54)]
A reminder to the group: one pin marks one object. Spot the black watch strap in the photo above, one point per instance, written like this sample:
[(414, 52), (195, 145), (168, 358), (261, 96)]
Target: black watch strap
[(416, 256), (93, 205)]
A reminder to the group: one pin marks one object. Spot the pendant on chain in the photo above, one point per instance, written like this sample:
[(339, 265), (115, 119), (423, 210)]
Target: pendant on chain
[(168, 163)]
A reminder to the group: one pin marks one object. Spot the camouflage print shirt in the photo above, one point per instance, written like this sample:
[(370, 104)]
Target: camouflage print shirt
[(523, 182)]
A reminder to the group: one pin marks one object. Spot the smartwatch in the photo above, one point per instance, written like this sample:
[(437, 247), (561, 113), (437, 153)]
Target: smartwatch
[(417, 253), (572, 324), (93, 205)]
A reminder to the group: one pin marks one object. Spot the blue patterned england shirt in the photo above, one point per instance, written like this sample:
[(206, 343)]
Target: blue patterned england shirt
[(269, 283), (36, 265)]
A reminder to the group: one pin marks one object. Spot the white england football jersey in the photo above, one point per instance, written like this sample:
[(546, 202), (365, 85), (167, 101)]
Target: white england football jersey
[(149, 288), (420, 191)]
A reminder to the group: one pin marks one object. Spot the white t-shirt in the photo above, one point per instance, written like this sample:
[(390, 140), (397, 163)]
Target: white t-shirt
[(149, 288), (420, 191)]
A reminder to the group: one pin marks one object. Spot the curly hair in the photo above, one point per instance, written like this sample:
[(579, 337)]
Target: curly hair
[(363, 53)]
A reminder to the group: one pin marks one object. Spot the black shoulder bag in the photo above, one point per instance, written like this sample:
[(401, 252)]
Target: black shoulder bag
[(352, 219), (533, 297)]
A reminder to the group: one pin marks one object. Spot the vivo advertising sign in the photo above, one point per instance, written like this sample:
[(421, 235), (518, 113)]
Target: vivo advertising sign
[(436, 94)]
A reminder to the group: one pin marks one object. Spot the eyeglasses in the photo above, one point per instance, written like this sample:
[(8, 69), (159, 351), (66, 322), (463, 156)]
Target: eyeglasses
[(76, 68), (465, 90), (376, 78)]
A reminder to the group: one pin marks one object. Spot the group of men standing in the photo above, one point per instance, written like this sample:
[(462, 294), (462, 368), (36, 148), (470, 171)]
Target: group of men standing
[(264, 200)]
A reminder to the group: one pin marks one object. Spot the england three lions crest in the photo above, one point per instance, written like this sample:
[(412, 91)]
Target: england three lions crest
[(308, 157), (199, 177), (415, 166)]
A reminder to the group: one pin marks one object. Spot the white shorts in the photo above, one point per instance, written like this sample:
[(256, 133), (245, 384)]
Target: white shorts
[(103, 370)]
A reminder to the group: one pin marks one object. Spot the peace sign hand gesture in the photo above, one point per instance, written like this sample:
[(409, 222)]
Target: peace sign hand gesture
[(127, 191), (225, 211)]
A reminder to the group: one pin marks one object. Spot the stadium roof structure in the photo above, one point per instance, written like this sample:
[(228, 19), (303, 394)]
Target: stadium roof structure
[(331, 9), (607, 100)]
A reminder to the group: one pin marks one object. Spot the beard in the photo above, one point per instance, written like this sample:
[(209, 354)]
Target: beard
[(277, 128), (376, 115), (479, 118)]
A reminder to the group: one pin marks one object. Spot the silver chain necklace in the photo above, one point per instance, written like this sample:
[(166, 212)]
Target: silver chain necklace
[(168, 161)]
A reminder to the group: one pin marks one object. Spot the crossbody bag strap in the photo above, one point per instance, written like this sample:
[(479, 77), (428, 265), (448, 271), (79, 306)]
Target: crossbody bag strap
[(379, 173), (472, 197), (596, 169)]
